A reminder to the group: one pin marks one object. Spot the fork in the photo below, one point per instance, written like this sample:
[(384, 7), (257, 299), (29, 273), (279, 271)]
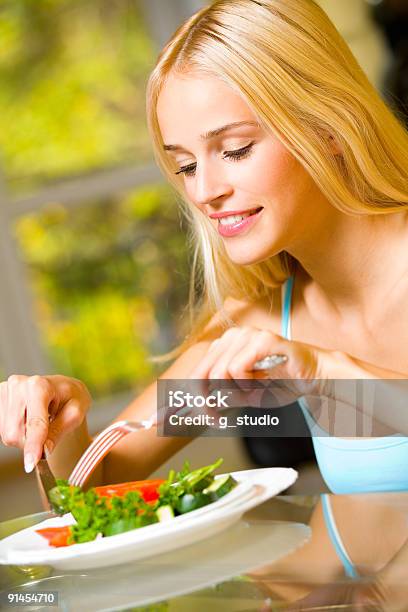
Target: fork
[(101, 446), (103, 443)]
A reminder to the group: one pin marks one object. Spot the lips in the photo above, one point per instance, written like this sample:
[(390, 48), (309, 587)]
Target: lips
[(235, 213), (235, 224)]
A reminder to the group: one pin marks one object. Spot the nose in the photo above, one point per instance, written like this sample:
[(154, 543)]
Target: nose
[(210, 187)]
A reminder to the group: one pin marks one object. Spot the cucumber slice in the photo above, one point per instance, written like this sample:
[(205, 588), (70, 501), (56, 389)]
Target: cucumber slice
[(189, 502), (120, 526), (202, 484), (198, 479), (165, 513), (220, 487)]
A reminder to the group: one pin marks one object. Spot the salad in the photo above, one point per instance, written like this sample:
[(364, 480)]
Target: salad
[(112, 509)]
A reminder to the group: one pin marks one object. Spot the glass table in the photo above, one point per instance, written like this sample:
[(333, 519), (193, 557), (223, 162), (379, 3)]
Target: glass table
[(290, 553)]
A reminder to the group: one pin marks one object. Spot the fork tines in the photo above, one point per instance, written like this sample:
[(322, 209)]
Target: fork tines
[(96, 452)]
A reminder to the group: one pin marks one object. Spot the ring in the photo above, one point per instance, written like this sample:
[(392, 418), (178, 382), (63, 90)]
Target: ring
[(269, 362)]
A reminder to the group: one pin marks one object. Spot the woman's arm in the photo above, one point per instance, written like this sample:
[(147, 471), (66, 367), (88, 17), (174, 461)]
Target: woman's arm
[(49, 412), (379, 393), (310, 371), (311, 566), (139, 454), (313, 575)]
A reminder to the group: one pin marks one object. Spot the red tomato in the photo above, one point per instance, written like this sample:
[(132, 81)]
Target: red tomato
[(56, 536), (147, 488)]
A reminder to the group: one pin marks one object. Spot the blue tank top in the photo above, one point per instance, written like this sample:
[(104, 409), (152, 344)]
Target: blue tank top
[(356, 465)]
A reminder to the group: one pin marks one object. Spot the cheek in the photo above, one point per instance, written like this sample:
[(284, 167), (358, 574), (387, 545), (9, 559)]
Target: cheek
[(189, 191), (285, 181), (271, 172)]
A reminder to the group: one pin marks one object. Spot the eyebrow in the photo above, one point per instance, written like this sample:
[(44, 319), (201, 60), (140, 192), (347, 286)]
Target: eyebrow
[(214, 133)]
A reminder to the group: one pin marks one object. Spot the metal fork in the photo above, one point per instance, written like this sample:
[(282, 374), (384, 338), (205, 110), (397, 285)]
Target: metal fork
[(101, 446), (103, 443)]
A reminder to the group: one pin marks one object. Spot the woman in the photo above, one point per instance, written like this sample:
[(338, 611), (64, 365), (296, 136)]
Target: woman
[(294, 177)]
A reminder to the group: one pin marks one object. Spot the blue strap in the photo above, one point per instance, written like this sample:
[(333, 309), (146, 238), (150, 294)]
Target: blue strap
[(349, 568), (286, 307)]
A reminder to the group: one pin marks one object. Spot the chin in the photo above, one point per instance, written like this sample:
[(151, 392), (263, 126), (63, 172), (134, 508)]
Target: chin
[(248, 257)]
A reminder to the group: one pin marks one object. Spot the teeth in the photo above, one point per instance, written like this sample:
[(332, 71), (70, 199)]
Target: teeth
[(231, 220)]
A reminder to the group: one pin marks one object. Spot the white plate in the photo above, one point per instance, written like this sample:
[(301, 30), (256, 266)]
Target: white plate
[(255, 486)]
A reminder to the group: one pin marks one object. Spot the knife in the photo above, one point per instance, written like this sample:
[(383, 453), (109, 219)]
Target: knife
[(46, 481)]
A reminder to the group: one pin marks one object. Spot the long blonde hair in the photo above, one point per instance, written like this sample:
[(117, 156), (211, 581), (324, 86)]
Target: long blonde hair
[(291, 66)]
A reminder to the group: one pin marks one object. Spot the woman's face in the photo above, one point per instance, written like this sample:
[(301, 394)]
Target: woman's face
[(258, 197)]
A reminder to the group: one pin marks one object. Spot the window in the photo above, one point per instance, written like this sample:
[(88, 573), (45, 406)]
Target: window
[(94, 268), (108, 279), (73, 88), (75, 249)]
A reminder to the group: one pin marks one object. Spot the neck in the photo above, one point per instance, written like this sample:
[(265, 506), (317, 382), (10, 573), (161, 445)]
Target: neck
[(349, 257)]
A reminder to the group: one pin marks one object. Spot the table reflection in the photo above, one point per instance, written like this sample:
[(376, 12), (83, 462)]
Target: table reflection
[(357, 557), (290, 553)]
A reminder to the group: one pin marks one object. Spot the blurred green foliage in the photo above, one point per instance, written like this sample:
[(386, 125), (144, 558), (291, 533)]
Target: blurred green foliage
[(109, 276), (72, 93), (111, 281)]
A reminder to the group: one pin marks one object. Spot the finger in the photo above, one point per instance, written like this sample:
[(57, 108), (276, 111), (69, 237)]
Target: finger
[(240, 390), (14, 429), (40, 394), (69, 417), (277, 388), (215, 369), (53, 409), (201, 371), (220, 369), (261, 345), (216, 350)]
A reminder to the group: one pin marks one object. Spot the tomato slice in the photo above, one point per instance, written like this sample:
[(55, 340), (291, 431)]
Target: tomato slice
[(147, 488), (56, 536)]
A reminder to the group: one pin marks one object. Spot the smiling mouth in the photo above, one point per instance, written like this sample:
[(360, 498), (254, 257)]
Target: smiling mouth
[(234, 219)]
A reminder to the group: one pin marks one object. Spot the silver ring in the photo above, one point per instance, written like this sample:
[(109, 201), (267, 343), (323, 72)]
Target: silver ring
[(269, 362)]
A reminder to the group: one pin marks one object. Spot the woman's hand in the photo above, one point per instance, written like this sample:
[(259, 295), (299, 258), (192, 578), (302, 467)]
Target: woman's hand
[(233, 355), (37, 411)]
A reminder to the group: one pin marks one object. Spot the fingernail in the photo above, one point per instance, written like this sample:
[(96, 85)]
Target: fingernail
[(28, 463), (49, 447)]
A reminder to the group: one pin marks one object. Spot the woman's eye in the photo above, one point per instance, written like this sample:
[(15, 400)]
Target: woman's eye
[(187, 170), (238, 153), (235, 155)]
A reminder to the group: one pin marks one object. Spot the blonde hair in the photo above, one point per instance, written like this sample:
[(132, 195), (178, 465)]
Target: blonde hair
[(295, 71)]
